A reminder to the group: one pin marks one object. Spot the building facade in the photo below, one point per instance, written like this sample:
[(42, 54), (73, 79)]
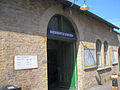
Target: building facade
[(75, 50)]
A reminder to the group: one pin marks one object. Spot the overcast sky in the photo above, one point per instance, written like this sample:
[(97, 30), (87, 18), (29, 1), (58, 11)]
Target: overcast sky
[(106, 9)]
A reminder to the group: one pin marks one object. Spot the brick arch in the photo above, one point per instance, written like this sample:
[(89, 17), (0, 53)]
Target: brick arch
[(49, 13)]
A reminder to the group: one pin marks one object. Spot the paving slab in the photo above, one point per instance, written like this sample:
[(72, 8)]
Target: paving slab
[(106, 86)]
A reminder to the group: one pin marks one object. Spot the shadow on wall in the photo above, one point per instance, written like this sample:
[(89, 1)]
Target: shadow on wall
[(22, 16), (101, 73)]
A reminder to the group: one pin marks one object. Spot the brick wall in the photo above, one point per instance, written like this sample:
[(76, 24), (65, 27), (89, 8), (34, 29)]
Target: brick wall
[(95, 76), (23, 31)]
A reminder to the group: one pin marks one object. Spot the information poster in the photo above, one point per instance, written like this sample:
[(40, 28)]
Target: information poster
[(114, 57), (89, 57), (25, 62)]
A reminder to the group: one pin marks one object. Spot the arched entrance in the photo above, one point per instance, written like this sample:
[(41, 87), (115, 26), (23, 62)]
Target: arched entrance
[(61, 54)]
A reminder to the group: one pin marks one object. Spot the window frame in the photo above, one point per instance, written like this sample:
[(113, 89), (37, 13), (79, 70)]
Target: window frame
[(106, 60), (98, 53)]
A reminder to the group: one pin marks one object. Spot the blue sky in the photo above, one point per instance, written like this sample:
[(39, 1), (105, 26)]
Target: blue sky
[(106, 9)]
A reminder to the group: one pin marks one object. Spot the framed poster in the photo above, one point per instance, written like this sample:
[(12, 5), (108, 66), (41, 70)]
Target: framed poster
[(89, 57), (25, 62), (114, 57)]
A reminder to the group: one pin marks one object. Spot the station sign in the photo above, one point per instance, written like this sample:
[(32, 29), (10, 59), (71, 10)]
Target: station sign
[(52, 32)]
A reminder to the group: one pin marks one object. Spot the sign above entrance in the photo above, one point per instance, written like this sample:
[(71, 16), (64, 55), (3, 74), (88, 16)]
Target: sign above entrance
[(52, 32)]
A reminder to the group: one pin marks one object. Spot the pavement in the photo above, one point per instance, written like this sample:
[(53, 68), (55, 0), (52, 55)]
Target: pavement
[(105, 86)]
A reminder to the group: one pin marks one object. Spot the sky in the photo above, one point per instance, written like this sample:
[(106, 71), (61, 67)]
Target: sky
[(106, 9)]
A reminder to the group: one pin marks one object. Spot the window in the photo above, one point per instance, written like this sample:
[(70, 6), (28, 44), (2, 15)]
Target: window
[(98, 53), (61, 23), (106, 53)]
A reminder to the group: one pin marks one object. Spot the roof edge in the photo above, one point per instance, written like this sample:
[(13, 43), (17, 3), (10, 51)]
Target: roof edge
[(98, 18)]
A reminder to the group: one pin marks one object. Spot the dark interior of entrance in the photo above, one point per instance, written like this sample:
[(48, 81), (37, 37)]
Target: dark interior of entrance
[(62, 71), (61, 63)]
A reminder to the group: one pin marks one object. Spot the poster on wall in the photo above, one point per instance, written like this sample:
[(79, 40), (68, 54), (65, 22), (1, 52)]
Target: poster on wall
[(114, 57), (25, 62), (89, 58)]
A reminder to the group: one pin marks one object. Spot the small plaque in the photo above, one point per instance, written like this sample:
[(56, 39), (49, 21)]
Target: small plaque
[(25, 62)]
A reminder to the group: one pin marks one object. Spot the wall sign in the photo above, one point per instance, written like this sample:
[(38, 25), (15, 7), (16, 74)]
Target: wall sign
[(25, 62), (52, 32)]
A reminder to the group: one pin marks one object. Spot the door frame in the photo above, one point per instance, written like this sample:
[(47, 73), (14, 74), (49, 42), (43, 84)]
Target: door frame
[(75, 71)]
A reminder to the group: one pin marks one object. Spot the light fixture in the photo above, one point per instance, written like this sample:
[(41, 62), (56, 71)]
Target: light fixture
[(84, 7)]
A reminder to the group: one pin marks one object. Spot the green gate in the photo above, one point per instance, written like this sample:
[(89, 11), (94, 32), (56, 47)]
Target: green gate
[(66, 66), (119, 57)]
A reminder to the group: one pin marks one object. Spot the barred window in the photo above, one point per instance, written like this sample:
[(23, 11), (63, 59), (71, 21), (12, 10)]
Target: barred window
[(106, 53), (98, 53)]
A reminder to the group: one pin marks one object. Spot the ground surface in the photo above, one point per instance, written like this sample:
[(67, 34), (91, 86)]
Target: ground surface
[(106, 86)]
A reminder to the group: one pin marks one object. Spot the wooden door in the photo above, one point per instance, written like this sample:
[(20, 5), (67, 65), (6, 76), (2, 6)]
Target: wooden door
[(66, 66)]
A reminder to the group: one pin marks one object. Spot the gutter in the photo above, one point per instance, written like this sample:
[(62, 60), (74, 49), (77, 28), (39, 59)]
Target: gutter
[(67, 4)]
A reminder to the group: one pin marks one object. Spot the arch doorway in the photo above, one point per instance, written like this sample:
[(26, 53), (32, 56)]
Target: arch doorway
[(61, 54)]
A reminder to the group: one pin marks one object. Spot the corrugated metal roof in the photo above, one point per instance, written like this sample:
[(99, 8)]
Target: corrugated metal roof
[(88, 13)]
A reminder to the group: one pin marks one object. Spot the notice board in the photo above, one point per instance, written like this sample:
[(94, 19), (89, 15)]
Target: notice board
[(89, 57), (114, 56)]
